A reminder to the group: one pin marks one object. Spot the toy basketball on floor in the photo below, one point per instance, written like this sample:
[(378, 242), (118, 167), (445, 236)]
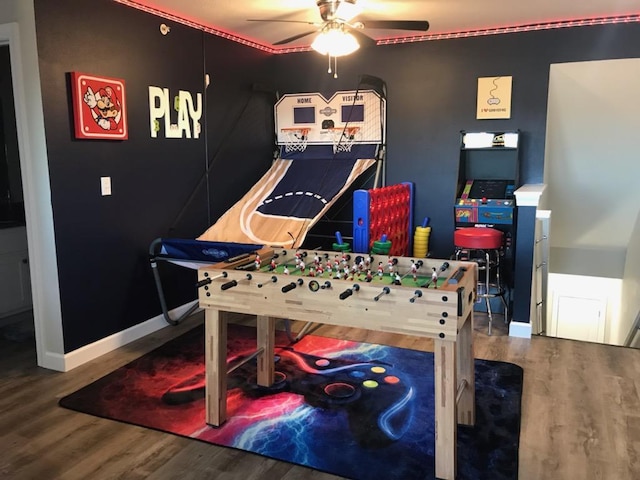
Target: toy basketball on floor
[(421, 242)]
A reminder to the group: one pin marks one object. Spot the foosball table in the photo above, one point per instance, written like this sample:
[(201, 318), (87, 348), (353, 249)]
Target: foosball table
[(420, 297)]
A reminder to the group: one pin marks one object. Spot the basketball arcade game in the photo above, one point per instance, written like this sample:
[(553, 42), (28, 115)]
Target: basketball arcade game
[(337, 131)]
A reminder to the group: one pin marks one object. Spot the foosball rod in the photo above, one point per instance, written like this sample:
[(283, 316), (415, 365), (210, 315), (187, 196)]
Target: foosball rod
[(208, 280), (233, 283), (273, 279), (385, 291), (236, 366), (419, 264)]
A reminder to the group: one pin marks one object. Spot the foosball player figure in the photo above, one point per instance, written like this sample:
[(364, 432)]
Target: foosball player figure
[(369, 276), (390, 264), (298, 258), (316, 260), (361, 265), (272, 265), (319, 270), (312, 271), (380, 269), (286, 270), (414, 271), (302, 266), (397, 279), (434, 277)]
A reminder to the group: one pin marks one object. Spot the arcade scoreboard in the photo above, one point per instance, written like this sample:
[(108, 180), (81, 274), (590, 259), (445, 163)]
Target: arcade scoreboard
[(424, 298)]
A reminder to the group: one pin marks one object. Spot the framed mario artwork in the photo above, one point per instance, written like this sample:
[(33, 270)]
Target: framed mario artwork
[(99, 107)]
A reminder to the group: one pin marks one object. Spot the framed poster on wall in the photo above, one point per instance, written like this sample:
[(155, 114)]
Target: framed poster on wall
[(494, 97), (99, 107)]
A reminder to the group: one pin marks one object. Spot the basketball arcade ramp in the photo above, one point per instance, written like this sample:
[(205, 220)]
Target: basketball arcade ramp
[(325, 145)]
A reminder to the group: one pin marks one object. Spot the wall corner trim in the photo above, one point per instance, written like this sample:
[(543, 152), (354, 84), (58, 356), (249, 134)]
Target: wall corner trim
[(529, 194)]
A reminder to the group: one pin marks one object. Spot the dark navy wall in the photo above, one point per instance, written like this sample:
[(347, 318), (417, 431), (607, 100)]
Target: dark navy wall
[(102, 242), (162, 187), (432, 90)]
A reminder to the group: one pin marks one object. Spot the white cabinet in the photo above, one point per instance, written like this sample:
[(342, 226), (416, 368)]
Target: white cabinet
[(15, 281)]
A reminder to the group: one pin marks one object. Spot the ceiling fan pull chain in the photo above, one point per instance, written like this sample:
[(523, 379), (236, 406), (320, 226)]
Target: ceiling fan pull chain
[(335, 67), (329, 69)]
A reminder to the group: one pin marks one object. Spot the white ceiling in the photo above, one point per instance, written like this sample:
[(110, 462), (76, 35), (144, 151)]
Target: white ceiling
[(445, 16)]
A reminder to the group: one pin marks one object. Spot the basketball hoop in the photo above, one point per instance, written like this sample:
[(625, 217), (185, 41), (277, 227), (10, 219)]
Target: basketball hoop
[(343, 138), (295, 139)]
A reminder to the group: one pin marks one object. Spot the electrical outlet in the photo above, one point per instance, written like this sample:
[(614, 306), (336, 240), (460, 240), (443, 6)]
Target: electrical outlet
[(105, 185)]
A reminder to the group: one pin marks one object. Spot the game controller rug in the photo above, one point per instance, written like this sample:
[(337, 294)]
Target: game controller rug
[(356, 410)]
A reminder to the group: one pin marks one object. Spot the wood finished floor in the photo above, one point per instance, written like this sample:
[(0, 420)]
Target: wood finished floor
[(581, 416)]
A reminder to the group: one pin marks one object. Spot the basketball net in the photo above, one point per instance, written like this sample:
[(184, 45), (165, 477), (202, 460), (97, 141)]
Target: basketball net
[(343, 138), (296, 139)]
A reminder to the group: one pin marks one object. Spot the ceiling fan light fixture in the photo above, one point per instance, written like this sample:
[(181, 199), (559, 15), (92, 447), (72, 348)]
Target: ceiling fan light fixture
[(347, 9), (335, 42)]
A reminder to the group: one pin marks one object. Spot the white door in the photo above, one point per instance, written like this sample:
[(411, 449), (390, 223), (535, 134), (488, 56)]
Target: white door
[(580, 318)]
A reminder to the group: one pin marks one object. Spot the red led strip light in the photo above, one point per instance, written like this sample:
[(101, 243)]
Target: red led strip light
[(396, 40)]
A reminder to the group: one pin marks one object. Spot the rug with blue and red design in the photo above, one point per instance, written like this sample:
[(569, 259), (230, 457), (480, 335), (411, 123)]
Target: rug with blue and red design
[(357, 410)]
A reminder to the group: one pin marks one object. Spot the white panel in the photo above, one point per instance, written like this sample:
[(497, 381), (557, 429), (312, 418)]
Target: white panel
[(591, 153), (580, 318)]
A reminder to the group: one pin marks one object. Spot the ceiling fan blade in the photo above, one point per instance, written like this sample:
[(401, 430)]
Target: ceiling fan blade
[(295, 37), (419, 25), (363, 39)]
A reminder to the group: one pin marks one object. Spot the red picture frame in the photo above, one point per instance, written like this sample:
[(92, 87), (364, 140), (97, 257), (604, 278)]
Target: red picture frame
[(99, 107)]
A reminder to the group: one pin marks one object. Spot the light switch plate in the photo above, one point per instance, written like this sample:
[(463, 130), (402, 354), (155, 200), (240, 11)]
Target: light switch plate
[(105, 185)]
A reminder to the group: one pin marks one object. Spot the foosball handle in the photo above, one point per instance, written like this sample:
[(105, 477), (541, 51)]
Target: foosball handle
[(228, 285), (455, 278), (292, 285), (349, 291)]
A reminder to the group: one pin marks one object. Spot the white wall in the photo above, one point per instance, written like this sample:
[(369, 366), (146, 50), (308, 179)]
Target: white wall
[(592, 171), (591, 164), (17, 29)]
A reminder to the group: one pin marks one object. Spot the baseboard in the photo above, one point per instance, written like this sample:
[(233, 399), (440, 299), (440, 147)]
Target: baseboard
[(519, 329), (94, 350)]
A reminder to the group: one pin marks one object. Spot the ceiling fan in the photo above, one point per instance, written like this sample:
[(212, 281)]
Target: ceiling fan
[(338, 19)]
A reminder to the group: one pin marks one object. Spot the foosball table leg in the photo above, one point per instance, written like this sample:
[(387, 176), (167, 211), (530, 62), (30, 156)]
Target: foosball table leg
[(266, 328), (216, 366)]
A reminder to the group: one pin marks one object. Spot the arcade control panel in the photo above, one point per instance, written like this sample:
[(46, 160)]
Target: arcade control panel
[(486, 202), (424, 297)]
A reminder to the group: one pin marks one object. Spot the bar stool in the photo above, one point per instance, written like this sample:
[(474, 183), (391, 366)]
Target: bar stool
[(484, 246)]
